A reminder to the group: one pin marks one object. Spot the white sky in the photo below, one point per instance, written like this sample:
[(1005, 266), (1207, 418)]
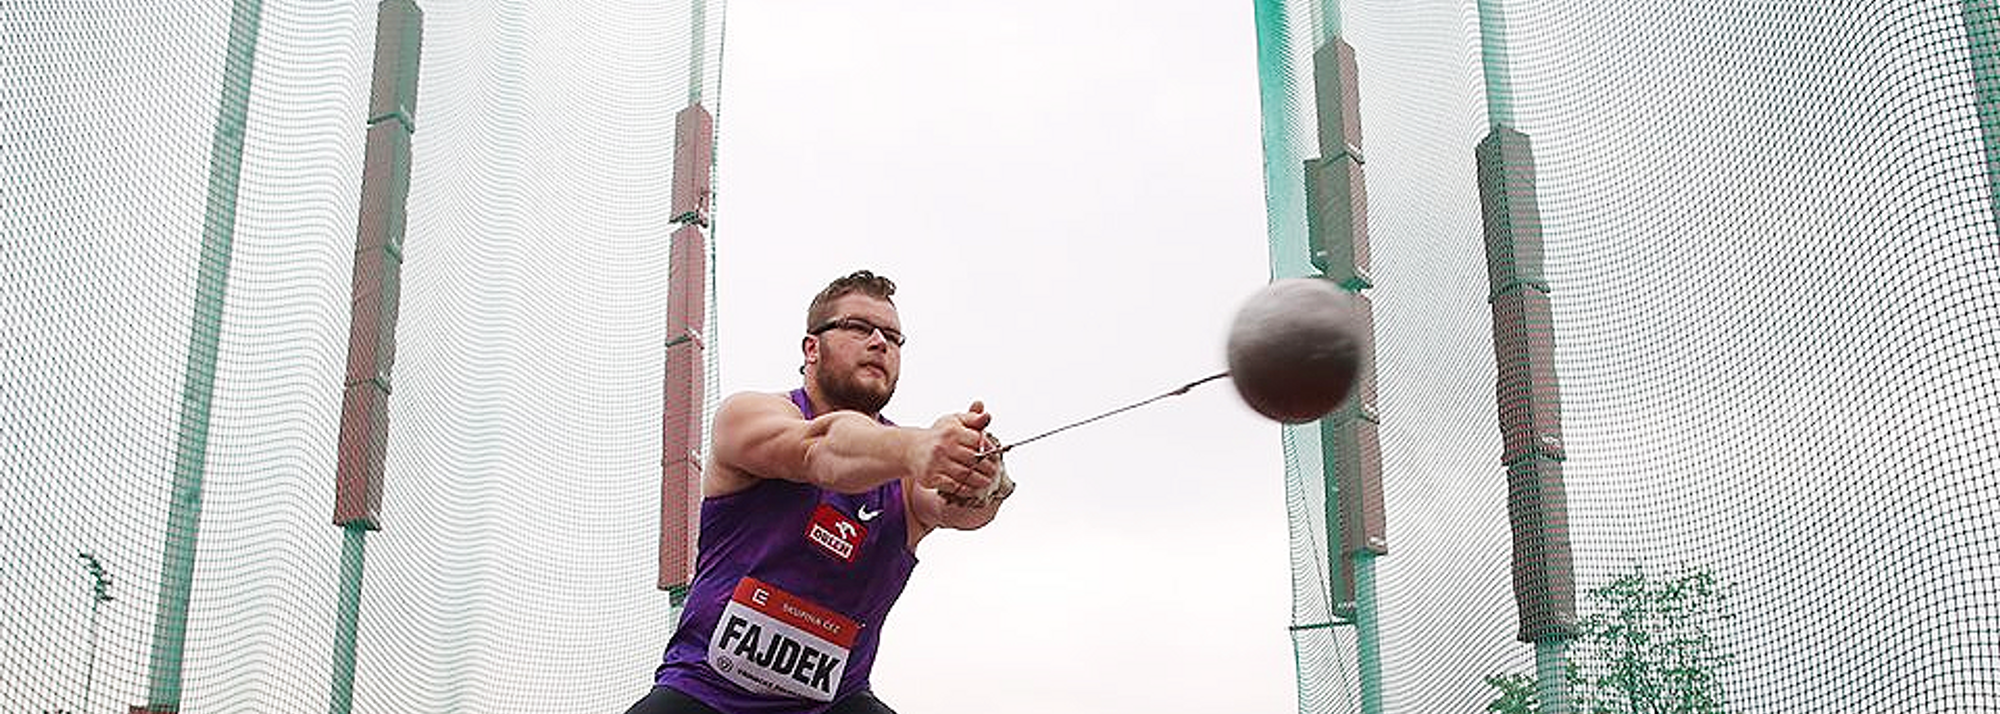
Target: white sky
[(1070, 200)]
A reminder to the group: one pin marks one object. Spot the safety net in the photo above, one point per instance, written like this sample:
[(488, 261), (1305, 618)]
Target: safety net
[(1685, 320), (183, 187), (1686, 329)]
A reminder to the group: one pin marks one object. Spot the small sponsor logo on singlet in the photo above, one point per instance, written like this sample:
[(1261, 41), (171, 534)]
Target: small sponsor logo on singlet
[(773, 642), (836, 534)]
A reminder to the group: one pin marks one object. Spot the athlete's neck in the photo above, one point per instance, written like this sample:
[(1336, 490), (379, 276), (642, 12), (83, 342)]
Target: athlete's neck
[(821, 405)]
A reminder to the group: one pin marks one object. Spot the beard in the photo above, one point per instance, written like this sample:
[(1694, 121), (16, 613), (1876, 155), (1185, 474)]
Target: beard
[(846, 392)]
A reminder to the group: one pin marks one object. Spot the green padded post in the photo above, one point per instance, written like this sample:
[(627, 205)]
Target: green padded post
[(347, 616), (1493, 58), (225, 165), (1982, 33)]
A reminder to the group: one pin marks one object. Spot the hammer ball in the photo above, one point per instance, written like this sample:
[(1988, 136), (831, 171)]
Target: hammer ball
[(1295, 349)]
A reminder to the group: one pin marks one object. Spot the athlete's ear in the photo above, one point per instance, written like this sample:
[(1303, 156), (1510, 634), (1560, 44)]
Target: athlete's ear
[(809, 347)]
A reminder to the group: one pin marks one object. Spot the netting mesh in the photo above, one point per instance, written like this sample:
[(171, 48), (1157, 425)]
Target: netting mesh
[(1770, 250), (537, 244), (1771, 256)]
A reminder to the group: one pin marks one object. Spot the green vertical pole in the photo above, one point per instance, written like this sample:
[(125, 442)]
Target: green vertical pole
[(691, 207), (1982, 32), (1544, 583), (1495, 62), (698, 31), (1336, 234), (1367, 632), (1284, 188), (1285, 228), (347, 616), (1326, 21), (225, 162), (377, 290), (1552, 675), (1311, 228)]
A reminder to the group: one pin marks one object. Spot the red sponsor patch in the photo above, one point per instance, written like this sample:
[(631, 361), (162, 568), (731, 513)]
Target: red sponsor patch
[(796, 611), (835, 533)]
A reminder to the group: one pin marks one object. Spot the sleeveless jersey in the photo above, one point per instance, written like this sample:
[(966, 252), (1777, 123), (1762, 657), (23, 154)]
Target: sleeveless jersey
[(792, 583)]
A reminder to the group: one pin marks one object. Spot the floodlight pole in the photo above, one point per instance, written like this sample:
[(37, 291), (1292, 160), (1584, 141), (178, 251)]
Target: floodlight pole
[(100, 594)]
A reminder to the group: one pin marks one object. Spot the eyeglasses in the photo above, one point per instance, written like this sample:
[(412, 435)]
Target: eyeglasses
[(861, 328)]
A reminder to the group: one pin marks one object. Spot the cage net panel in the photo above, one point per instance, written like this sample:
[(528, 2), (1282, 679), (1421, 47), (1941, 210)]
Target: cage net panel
[(1771, 256), (526, 400)]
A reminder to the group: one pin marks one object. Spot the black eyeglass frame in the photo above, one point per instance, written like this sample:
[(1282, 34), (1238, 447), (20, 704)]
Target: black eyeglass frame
[(861, 326)]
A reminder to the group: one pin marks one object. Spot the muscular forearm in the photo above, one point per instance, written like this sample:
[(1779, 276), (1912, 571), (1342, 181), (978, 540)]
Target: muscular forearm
[(852, 453)]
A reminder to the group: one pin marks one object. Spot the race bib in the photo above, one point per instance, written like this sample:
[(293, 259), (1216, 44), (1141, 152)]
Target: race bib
[(772, 642)]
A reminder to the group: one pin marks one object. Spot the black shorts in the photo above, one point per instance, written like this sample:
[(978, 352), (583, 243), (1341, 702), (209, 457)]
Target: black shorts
[(667, 700)]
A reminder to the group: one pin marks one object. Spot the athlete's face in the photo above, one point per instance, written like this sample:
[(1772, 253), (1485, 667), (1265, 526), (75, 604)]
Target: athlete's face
[(855, 358)]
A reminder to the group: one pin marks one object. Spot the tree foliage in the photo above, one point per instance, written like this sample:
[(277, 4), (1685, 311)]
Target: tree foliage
[(1646, 645), (1515, 694)]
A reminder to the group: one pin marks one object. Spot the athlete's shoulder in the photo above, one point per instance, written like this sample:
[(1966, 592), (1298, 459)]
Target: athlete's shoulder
[(750, 427), (748, 403)]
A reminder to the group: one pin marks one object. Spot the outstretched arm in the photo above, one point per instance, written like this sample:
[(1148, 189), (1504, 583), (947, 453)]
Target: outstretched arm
[(760, 435)]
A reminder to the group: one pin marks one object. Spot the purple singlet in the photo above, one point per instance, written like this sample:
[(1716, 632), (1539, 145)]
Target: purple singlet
[(791, 586)]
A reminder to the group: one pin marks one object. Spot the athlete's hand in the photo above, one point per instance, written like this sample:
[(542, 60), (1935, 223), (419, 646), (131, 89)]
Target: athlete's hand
[(985, 462), (988, 464), (946, 456), (992, 495)]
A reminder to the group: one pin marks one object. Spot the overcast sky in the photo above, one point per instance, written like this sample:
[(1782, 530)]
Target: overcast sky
[(1069, 197)]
